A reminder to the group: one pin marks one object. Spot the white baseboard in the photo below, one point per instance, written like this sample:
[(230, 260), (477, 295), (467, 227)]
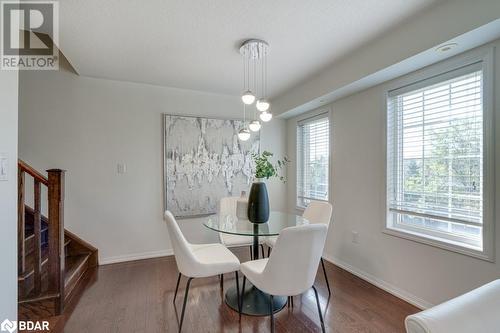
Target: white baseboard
[(135, 256), (404, 295)]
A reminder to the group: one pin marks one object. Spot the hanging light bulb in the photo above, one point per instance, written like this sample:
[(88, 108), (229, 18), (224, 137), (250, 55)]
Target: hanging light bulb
[(262, 104), (244, 134), (248, 97), (254, 126), (266, 116)]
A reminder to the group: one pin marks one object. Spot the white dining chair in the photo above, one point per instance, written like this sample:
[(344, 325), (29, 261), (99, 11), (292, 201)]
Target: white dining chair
[(198, 260), (291, 268), (227, 206), (317, 212)]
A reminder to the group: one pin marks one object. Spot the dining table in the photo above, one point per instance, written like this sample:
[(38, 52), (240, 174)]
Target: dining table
[(255, 301)]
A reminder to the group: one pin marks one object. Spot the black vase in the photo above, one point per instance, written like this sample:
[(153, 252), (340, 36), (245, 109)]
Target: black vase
[(258, 203)]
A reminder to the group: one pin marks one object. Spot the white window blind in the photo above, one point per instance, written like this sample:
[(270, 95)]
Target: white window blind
[(313, 140), (435, 158)]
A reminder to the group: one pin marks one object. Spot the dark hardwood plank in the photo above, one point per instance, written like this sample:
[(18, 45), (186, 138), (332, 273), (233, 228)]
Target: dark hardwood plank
[(137, 297)]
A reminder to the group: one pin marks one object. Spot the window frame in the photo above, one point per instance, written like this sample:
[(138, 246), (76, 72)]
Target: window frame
[(314, 115), (484, 56)]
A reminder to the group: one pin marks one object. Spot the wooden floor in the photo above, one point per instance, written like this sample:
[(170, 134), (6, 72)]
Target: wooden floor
[(137, 297)]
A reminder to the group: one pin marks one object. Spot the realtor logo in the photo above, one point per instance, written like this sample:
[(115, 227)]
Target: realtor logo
[(30, 35), (8, 326)]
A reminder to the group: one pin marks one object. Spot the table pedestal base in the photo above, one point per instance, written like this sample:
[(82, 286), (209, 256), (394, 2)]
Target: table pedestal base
[(255, 302)]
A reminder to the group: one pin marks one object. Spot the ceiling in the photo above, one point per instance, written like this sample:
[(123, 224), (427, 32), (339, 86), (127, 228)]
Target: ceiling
[(193, 44)]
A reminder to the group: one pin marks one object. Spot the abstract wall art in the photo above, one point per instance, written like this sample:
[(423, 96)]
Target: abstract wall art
[(203, 162)]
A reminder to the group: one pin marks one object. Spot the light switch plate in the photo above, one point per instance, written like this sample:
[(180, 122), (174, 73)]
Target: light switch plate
[(355, 237), (121, 168), (4, 167)]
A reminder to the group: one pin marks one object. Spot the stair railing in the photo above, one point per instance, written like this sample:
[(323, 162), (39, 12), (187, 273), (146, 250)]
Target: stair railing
[(55, 184)]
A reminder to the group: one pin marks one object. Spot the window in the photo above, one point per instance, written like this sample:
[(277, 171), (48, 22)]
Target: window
[(436, 159), (313, 154)]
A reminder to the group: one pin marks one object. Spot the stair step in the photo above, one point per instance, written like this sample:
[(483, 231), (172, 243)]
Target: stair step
[(30, 263), (29, 217), (76, 266), (44, 255), (29, 229), (26, 281)]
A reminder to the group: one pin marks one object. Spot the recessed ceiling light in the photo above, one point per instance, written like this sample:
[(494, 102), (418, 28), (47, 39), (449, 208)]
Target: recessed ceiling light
[(446, 47)]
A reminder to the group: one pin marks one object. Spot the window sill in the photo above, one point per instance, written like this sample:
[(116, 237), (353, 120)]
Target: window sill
[(440, 244), (300, 208)]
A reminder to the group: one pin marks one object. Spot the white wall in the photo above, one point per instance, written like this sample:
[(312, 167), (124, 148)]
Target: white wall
[(87, 126), (8, 195), (420, 273)]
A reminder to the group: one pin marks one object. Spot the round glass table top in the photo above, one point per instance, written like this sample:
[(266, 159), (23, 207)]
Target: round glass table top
[(230, 224)]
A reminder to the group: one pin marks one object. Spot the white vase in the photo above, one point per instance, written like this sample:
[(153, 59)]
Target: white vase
[(242, 208)]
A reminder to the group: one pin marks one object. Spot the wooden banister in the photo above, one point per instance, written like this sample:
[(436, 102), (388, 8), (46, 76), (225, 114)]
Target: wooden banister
[(55, 260), (25, 167)]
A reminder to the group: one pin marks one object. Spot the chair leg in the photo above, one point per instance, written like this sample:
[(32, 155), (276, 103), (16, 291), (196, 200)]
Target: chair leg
[(240, 305), (262, 250), (291, 298), (251, 253), (319, 310), (184, 304), (221, 277), (177, 287), (326, 277), (268, 251), (271, 310), (237, 290)]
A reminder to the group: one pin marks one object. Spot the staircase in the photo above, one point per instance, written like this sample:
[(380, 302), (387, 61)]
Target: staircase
[(52, 261)]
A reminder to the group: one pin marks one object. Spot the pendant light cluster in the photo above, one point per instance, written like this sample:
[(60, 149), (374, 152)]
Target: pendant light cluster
[(254, 52)]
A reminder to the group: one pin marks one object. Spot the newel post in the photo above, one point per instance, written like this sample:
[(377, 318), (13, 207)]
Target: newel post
[(56, 235)]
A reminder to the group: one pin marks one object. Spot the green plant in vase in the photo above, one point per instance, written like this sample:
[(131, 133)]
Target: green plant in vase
[(264, 168)]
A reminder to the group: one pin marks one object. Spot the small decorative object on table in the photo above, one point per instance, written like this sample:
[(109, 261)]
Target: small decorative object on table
[(242, 207), (258, 200)]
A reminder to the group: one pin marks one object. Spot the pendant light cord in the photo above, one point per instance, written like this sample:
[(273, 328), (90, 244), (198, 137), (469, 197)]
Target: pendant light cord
[(248, 71), (264, 81), (262, 75), (244, 115)]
